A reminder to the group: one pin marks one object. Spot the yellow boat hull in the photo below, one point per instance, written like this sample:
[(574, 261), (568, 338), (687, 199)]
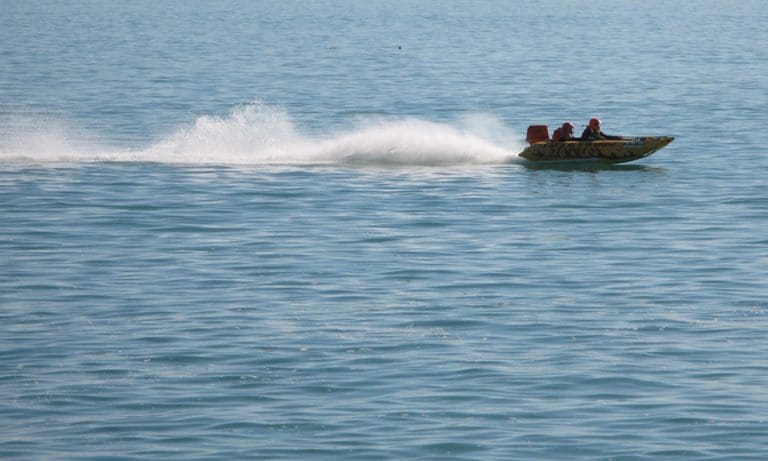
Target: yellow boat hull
[(611, 151)]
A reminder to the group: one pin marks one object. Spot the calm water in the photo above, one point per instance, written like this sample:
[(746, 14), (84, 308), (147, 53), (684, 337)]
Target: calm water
[(300, 230)]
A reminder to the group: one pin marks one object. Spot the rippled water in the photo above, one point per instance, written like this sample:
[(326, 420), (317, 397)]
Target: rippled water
[(260, 231)]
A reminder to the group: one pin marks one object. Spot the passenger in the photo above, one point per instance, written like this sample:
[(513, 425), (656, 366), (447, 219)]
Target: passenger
[(593, 133), (564, 133)]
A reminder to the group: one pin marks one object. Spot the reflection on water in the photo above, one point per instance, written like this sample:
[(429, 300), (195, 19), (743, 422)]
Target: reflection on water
[(590, 166)]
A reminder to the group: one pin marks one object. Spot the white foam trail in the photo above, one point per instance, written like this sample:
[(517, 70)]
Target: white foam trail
[(410, 142), (250, 134), (258, 134), (45, 139)]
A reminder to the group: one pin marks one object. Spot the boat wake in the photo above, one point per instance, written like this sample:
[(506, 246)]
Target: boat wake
[(259, 134)]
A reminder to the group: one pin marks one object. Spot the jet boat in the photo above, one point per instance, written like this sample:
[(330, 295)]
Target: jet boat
[(542, 149)]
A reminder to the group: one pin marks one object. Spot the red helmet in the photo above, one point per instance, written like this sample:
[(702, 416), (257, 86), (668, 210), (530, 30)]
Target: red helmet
[(594, 123)]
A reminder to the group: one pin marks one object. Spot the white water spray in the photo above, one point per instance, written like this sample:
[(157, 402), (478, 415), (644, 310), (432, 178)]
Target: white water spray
[(258, 134)]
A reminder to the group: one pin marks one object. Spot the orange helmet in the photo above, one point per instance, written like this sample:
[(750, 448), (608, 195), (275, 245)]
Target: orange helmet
[(594, 123)]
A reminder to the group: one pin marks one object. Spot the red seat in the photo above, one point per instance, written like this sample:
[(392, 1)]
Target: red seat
[(537, 133)]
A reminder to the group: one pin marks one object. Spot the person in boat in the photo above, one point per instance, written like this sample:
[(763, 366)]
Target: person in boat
[(592, 132), (564, 133)]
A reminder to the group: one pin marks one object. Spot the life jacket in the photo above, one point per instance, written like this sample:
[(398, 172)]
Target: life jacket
[(557, 135)]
